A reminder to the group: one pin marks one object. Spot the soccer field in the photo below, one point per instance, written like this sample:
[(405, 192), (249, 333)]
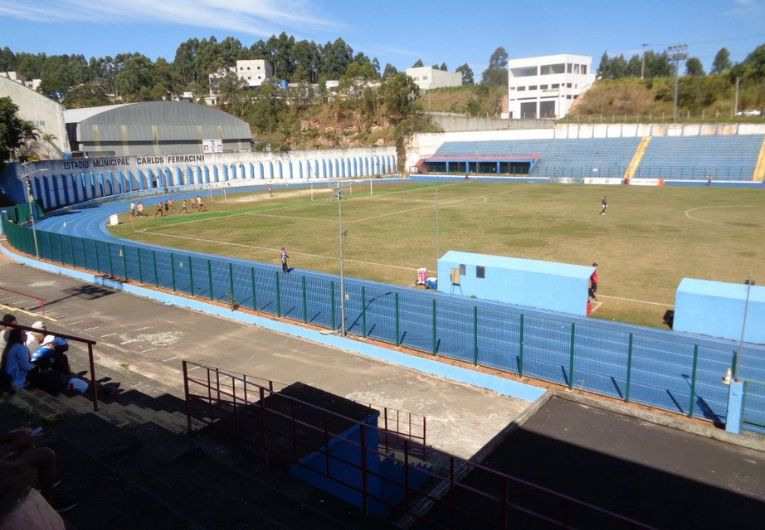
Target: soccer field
[(650, 238)]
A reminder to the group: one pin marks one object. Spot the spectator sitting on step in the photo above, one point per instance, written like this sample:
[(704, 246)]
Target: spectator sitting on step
[(35, 338), (22, 506), (53, 373), (36, 465), (7, 320), (15, 359)]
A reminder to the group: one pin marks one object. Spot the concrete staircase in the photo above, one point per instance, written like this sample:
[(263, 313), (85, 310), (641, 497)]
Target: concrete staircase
[(636, 158), (131, 465), (759, 168)]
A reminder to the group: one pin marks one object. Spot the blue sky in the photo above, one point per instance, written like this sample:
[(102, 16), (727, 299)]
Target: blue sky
[(395, 31)]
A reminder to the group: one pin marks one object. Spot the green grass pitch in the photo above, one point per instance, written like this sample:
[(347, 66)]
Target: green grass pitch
[(650, 238)]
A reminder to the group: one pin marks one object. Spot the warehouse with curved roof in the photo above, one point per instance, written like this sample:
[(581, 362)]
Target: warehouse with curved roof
[(155, 128)]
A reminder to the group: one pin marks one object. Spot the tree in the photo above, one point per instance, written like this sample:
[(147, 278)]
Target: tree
[(722, 63), (86, 95), (496, 73), (694, 68), (467, 74), (13, 130), (418, 64), (755, 63), (389, 70), (398, 94), (603, 67), (443, 67), (335, 58)]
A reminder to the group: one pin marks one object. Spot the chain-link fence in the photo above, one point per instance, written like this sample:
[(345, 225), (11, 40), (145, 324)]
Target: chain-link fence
[(654, 367)]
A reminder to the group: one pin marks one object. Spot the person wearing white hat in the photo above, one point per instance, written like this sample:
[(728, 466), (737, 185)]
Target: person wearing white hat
[(35, 338)]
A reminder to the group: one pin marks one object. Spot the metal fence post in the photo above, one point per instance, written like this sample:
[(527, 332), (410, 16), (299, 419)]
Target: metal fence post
[(191, 278), (172, 269), (254, 291), (475, 335), (278, 295), (332, 301), (520, 349), (363, 311), (140, 266), (571, 359), (398, 334), (60, 248), (84, 254), (156, 274), (629, 370), (71, 249), (124, 261), (232, 298), (434, 326), (209, 278), (98, 260), (693, 379), (305, 299), (109, 255)]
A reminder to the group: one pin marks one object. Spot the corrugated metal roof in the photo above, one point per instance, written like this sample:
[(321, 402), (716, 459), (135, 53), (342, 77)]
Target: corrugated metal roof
[(159, 122), (77, 115)]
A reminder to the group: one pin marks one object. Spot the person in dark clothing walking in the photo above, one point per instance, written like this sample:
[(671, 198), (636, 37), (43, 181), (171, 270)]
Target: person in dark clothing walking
[(283, 257), (604, 205), (594, 282)]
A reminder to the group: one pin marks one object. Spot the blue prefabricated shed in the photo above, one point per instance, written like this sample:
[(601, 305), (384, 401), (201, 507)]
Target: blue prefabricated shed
[(717, 309), (541, 284)]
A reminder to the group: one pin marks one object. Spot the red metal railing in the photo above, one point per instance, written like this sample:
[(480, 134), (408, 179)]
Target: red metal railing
[(91, 362), (394, 425), (41, 301), (457, 493)]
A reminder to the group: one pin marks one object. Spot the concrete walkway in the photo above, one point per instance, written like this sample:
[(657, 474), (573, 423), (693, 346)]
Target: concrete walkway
[(150, 338)]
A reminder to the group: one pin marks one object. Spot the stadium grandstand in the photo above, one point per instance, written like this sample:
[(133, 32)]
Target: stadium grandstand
[(734, 158)]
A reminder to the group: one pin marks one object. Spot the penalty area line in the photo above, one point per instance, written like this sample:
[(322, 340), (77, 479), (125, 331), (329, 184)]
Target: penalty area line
[(635, 300)]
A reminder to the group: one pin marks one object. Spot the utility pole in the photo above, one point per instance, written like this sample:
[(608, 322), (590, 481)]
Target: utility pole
[(735, 101), (677, 53), (642, 60)]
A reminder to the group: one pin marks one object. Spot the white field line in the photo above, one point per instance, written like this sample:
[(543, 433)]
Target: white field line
[(733, 207), (276, 251), (635, 300)]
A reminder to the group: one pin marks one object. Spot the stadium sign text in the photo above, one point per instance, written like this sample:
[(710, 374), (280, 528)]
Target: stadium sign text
[(119, 161), (169, 159)]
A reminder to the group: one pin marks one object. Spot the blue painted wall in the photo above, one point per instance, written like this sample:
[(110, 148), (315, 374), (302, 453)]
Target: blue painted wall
[(717, 309), (541, 284)]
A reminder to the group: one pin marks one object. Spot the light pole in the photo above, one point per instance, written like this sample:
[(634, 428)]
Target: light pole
[(642, 60), (749, 282), (342, 235), (30, 201), (677, 53), (437, 232)]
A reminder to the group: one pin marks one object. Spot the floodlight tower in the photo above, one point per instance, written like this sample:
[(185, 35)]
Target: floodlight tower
[(677, 53)]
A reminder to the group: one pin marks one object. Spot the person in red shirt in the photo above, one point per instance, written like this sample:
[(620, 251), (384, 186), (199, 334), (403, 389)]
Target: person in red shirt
[(594, 282)]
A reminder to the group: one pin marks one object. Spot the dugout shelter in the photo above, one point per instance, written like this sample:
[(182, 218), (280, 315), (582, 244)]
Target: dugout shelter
[(540, 284), (717, 309)]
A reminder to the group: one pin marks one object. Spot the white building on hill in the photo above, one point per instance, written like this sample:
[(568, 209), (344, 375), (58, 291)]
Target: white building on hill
[(546, 86), (428, 77), (253, 72)]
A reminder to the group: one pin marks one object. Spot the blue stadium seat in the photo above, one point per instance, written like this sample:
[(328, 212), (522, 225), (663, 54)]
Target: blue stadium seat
[(699, 157)]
